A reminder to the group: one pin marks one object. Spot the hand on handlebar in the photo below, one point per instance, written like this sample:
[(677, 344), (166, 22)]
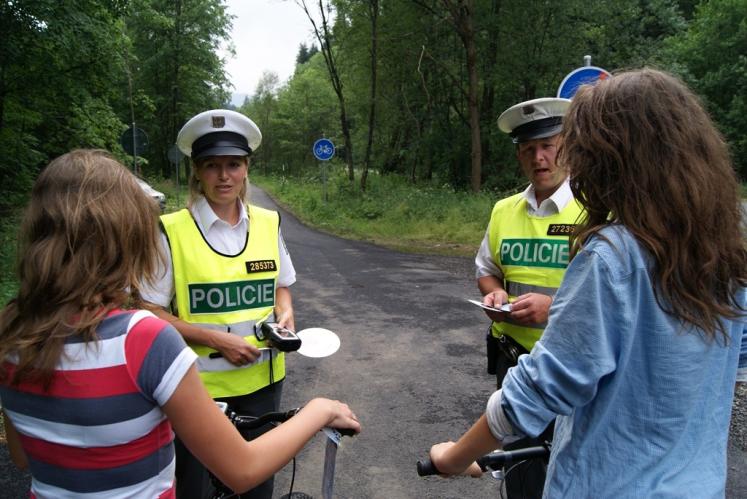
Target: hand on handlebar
[(236, 350), (339, 415), (440, 459)]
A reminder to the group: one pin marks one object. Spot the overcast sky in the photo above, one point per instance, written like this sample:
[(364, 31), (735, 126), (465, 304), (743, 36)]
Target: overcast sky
[(266, 36)]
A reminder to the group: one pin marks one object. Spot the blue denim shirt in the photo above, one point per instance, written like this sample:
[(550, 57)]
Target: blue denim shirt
[(642, 403)]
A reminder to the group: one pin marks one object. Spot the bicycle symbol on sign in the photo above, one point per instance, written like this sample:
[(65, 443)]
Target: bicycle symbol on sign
[(323, 149)]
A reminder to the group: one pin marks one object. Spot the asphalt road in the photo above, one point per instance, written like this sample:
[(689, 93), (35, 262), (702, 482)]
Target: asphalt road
[(411, 364)]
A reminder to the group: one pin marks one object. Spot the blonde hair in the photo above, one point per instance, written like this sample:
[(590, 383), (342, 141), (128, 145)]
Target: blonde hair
[(88, 241), (195, 187), (643, 152)]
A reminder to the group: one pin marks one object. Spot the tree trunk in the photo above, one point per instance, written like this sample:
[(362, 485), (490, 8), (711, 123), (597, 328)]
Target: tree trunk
[(374, 9), (473, 102), (462, 13), (324, 38), (175, 78), (488, 92)]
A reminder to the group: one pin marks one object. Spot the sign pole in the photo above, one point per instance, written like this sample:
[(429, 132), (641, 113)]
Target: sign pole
[(323, 150), (178, 203), (175, 156), (324, 180), (134, 149)]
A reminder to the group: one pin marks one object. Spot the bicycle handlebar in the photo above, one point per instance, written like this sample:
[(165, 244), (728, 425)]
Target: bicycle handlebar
[(253, 422), (493, 460)]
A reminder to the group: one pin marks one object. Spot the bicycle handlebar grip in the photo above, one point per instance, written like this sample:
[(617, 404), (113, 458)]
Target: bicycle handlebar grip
[(426, 468), (506, 458), (348, 432)]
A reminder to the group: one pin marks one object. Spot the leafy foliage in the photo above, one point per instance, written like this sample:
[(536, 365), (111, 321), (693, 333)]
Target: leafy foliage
[(66, 69), (78, 73), (712, 55), (423, 126)]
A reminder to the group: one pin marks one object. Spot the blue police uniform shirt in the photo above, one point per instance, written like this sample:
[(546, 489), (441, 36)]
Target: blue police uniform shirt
[(643, 403)]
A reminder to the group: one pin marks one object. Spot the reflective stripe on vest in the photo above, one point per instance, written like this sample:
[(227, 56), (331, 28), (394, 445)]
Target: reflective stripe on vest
[(219, 292), (532, 252)]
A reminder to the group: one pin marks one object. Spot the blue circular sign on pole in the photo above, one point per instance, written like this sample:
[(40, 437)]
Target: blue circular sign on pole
[(585, 75), (323, 149)]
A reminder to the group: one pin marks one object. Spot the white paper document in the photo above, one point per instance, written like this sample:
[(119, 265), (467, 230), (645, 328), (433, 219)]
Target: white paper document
[(506, 307)]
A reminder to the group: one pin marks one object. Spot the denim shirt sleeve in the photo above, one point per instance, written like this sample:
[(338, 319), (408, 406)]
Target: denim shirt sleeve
[(579, 346)]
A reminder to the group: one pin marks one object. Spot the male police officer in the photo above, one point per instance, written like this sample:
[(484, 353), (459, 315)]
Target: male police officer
[(525, 251)]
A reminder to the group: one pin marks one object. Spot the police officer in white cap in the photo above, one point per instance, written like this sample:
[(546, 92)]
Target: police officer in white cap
[(227, 270), (525, 251)]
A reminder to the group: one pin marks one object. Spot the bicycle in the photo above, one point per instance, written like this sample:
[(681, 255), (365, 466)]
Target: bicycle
[(275, 418), (499, 463)]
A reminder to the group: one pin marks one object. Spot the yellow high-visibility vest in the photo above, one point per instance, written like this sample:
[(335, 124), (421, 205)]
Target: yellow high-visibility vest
[(230, 294), (532, 252)]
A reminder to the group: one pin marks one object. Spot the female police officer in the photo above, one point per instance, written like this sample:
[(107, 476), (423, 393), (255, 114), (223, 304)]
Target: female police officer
[(227, 270)]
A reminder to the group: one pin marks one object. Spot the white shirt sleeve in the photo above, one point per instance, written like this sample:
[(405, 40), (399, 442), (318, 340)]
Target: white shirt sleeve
[(498, 423), (287, 275), (484, 263), (161, 291)]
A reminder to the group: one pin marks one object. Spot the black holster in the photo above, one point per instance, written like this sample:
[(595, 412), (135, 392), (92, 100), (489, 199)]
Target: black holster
[(503, 353), (492, 351)]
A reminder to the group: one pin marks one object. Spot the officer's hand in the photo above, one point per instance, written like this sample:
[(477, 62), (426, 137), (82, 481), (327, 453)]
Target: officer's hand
[(285, 319), (531, 308), (496, 299), (236, 350)]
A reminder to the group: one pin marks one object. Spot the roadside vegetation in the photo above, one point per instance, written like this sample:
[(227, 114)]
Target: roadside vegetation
[(8, 238), (391, 212)]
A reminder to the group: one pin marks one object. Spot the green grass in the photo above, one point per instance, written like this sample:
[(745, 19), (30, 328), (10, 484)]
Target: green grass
[(175, 200), (392, 213)]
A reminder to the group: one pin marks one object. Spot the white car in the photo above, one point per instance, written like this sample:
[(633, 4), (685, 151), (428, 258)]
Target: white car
[(160, 197)]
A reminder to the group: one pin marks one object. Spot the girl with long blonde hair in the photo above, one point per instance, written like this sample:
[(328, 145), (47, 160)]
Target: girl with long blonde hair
[(91, 386)]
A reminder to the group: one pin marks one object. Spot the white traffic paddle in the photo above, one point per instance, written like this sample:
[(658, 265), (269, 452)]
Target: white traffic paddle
[(318, 342)]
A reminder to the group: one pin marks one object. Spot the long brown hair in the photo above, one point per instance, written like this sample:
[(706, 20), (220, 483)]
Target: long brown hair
[(642, 152), (88, 240)]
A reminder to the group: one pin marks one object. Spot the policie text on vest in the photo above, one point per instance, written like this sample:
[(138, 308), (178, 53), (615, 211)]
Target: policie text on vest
[(221, 297), (551, 253)]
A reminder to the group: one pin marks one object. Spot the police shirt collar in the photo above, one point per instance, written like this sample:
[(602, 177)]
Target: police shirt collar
[(206, 217), (560, 198)]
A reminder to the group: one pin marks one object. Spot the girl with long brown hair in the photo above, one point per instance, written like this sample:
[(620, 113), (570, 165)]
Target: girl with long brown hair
[(646, 336), (92, 386)]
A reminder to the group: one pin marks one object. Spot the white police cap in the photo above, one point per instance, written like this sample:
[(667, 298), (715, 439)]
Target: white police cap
[(534, 119), (219, 132)]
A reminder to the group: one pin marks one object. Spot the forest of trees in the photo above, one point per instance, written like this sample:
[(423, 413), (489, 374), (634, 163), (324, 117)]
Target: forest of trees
[(408, 87)]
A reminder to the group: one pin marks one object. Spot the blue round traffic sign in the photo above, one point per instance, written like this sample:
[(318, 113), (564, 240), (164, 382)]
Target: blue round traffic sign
[(323, 149), (585, 75)]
